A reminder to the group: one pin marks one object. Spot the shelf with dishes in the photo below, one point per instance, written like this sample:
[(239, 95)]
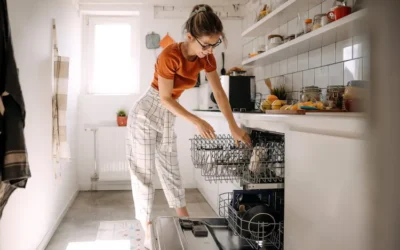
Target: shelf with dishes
[(270, 20), (320, 36)]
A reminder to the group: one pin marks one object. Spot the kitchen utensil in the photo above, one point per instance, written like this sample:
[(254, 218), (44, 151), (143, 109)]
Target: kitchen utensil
[(223, 71), (339, 12), (274, 41), (308, 108), (269, 84)]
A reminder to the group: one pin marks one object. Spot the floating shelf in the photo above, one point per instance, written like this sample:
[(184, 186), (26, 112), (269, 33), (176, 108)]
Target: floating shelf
[(331, 33), (283, 14)]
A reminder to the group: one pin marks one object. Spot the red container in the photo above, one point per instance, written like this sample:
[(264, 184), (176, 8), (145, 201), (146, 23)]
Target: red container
[(122, 121), (339, 12)]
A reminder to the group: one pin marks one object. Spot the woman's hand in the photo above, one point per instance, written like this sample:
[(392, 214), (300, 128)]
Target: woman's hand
[(205, 129), (240, 135)]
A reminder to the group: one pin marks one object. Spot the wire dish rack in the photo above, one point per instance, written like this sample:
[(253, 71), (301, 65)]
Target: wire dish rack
[(258, 233), (221, 159)]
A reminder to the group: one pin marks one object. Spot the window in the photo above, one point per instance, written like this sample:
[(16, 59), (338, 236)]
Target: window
[(112, 47)]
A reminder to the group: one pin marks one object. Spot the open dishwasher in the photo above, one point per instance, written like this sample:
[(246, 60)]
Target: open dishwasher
[(250, 218)]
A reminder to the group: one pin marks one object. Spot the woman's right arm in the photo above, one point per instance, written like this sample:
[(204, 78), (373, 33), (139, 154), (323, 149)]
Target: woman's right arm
[(165, 87)]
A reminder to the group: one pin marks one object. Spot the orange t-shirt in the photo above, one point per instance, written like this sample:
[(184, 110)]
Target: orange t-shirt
[(172, 65)]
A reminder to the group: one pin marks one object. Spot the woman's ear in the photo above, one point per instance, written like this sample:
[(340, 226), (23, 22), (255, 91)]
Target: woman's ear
[(189, 36)]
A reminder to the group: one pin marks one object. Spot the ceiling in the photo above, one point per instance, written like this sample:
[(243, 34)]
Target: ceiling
[(166, 2)]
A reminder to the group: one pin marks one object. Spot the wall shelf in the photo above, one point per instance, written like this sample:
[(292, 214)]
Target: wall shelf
[(331, 33), (283, 14)]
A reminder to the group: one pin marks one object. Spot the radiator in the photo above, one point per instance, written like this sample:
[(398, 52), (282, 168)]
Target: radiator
[(111, 157)]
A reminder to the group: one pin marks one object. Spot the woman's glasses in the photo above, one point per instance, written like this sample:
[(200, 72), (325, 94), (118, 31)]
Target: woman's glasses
[(207, 46)]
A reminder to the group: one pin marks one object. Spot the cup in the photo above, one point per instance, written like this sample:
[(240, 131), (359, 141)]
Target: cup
[(339, 12)]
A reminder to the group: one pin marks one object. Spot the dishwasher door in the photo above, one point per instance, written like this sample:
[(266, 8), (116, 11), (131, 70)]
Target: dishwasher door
[(168, 235)]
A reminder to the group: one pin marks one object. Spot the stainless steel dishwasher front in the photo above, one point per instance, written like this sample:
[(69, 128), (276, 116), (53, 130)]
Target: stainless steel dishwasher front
[(169, 235)]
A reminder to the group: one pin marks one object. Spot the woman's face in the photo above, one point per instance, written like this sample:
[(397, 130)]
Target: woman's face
[(204, 45)]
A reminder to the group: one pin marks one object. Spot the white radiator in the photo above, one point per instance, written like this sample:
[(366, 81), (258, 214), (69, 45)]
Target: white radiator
[(112, 164)]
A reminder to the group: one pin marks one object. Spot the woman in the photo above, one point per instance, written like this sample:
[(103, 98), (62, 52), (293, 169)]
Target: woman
[(151, 141)]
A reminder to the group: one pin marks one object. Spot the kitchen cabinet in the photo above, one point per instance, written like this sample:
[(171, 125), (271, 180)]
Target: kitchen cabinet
[(327, 193)]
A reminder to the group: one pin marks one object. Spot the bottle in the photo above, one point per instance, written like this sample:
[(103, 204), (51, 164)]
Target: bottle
[(307, 25)]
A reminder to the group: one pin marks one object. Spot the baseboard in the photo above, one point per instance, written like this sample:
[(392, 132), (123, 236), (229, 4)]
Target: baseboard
[(53, 229)]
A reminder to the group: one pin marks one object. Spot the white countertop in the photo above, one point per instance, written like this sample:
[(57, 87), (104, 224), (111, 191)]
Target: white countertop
[(348, 125)]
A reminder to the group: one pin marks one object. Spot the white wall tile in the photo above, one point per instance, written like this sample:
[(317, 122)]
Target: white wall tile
[(315, 58), (262, 88), (353, 70), (315, 11), (360, 46), (283, 67), (336, 74), (297, 81), (292, 27), (302, 62), (261, 41), (366, 69), (292, 64), (268, 71), (328, 54), (344, 50), (327, 5), (322, 77), (275, 69), (259, 73), (309, 77), (289, 82)]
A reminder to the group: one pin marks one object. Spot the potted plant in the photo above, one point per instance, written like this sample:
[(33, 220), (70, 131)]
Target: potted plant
[(122, 118), (280, 92)]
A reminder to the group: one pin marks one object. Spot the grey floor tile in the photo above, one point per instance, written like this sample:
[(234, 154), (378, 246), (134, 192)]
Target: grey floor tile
[(82, 220)]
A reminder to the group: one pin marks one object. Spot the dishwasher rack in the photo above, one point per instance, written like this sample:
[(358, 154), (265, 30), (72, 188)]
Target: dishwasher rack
[(221, 159), (257, 234)]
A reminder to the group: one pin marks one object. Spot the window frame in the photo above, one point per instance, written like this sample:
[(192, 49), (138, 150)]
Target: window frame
[(88, 49)]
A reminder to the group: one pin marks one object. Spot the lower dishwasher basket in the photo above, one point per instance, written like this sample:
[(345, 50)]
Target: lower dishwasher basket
[(257, 234)]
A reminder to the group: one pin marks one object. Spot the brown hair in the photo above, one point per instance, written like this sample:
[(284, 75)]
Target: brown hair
[(204, 22)]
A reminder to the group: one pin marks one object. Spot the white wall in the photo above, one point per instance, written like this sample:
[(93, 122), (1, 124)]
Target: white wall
[(95, 109), (32, 213)]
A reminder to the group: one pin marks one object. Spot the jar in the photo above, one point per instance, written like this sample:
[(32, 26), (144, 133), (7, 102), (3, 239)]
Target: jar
[(334, 96), (354, 96), (318, 21), (311, 94), (307, 25), (274, 40)]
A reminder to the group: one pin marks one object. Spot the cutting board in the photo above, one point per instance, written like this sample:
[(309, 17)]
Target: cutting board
[(301, 112), (285, 112)]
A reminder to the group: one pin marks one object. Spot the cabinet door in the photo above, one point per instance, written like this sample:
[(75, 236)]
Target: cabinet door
[(327, 193)]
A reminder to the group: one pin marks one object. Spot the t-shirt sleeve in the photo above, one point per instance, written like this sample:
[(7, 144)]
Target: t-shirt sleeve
[(167, 65), (210, 64)]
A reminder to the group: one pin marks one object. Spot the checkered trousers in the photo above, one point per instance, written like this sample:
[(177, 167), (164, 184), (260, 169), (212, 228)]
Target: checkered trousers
[(151, 144)]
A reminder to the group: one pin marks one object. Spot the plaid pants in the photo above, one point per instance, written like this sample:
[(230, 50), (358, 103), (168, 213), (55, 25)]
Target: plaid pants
[(151, 144)]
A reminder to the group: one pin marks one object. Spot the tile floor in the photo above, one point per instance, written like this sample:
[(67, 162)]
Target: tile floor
[(90, 208)]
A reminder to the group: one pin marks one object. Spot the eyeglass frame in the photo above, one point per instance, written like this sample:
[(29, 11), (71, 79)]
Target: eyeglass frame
[(206, 47)]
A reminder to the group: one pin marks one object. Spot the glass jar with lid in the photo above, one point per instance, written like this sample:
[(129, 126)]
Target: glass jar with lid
[(311, 94), (334, 96)]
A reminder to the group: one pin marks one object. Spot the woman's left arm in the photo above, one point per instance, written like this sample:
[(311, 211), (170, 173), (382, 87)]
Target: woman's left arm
[(225, 107)]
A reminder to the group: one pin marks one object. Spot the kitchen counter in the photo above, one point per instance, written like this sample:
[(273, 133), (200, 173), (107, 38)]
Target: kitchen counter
[(349, 125)]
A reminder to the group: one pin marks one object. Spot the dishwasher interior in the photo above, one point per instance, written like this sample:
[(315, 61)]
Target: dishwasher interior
[(250, 218)]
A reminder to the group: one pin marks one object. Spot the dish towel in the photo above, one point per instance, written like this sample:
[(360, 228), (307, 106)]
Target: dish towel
[(61, 149), (14, 166)]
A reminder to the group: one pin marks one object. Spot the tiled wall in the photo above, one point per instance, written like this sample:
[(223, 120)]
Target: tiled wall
[(323, 65)]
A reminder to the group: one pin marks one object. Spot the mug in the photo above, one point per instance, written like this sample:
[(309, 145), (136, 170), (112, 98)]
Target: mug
[(339, 12)]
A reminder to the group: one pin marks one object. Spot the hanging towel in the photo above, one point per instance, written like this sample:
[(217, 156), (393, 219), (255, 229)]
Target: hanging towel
[(14, 167), (61, 149)]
